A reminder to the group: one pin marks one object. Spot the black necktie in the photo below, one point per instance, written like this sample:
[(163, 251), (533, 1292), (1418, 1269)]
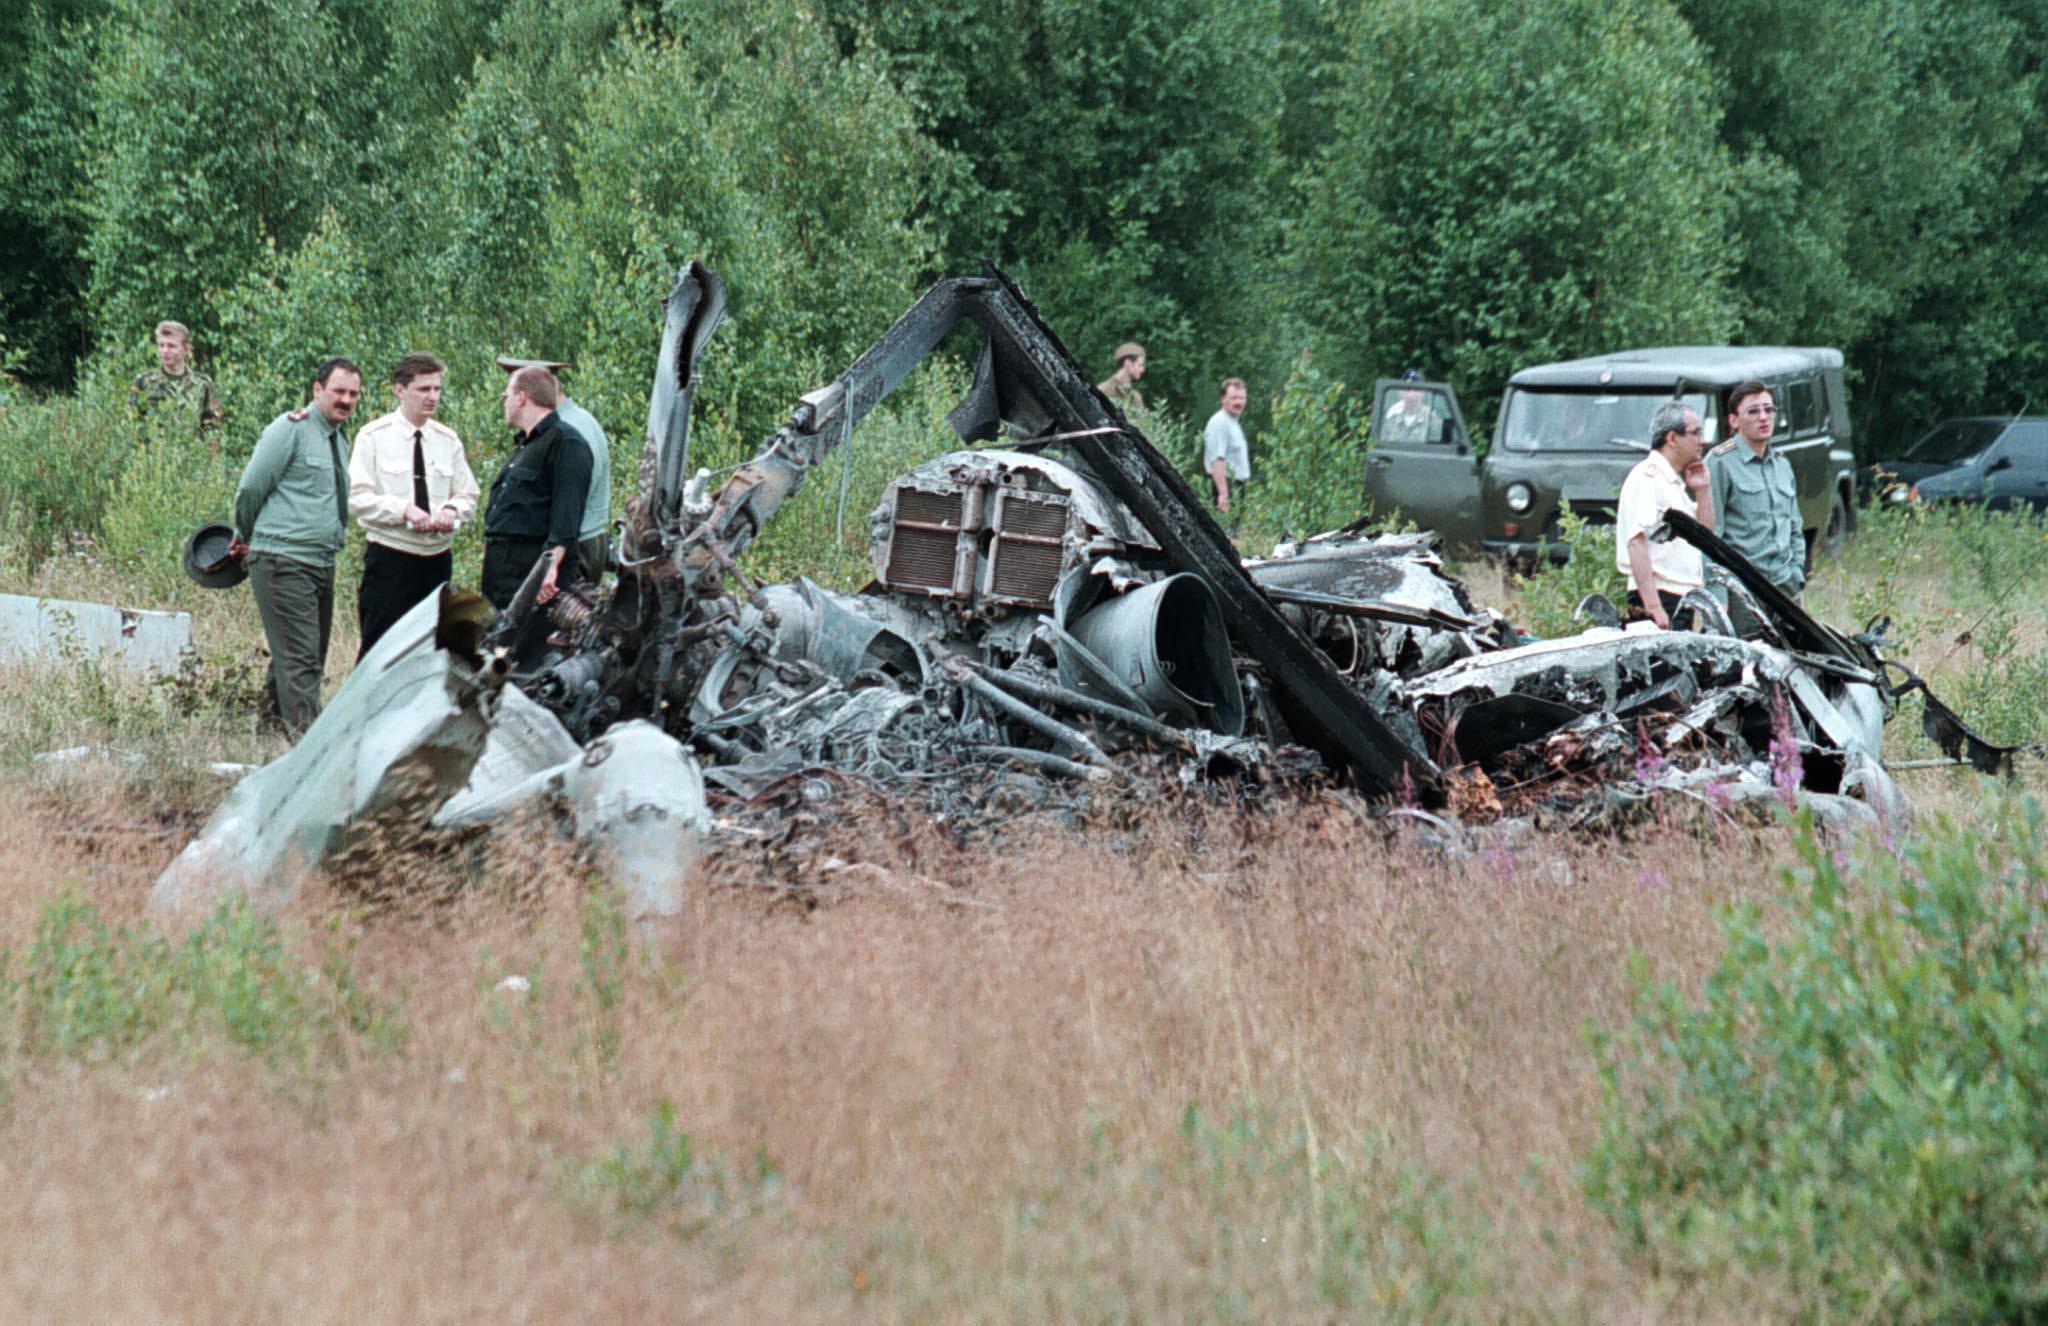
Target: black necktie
[(419, 471)]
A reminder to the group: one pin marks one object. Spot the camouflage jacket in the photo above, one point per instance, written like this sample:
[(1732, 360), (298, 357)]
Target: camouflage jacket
[(191, 394)]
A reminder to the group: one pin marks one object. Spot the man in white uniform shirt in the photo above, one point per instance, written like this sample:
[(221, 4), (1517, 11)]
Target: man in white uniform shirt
[(411, 487), (1672, 475)]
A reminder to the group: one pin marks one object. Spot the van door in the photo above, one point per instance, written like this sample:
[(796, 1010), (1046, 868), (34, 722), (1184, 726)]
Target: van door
[(1420, 460)]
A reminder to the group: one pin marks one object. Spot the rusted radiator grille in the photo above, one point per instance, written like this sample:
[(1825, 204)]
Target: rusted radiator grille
[(922, 559), (922, 508), (1025, 571), (1043, 518)]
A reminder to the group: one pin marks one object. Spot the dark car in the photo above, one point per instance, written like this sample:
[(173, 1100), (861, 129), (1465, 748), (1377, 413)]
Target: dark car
[(1571, 431), (1999, 460)]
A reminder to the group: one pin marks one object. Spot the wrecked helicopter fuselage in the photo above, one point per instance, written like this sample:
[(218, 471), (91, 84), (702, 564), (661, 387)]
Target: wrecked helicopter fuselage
[(1056, 606)]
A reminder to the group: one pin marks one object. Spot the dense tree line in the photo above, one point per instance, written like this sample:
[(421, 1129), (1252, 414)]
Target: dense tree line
[(1251, 186)]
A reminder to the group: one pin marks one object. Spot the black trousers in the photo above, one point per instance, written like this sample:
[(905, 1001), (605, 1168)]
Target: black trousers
[(393, 583), (507, 562), (1638, 613)]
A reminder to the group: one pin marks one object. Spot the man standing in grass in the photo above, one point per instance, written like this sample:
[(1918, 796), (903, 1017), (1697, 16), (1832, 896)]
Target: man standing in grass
[(1225, 454), (291, 510), (410, 485), (1756, 497), (179, 395)]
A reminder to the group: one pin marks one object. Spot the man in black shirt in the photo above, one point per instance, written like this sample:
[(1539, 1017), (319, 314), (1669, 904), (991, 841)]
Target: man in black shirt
[(536, 506)]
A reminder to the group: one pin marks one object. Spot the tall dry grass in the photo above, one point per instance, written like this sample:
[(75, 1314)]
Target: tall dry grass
[(1217, 1064), (1202, 1063)]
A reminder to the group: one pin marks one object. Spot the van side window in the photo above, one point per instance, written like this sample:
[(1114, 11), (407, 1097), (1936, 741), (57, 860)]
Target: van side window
[(1414, 416), (1804, 406)]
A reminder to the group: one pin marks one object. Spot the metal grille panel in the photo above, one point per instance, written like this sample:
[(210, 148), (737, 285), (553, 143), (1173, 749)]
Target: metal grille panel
[(921, 507), (922, 559), (1043, 518), (1026, 571)]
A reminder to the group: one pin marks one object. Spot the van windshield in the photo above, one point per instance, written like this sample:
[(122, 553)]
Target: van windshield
[(1537, 419)]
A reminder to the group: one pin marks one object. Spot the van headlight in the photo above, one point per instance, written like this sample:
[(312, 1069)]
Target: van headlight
[(1520, 497)]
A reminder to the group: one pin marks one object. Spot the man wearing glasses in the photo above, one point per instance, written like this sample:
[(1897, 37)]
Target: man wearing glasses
[(1670, 476), (1756, 495)]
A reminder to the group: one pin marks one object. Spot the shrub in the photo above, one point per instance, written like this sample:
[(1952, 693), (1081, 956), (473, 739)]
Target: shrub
[(1858, 1097), (1552, 593), (96, 992), (60, 459), (1314, 454)]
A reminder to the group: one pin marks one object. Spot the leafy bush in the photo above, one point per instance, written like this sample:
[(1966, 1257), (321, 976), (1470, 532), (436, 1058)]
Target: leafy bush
[(1858, 1097), (1314, 454), (97, 992), (1552, 593), (60, 459), (665, 1179)]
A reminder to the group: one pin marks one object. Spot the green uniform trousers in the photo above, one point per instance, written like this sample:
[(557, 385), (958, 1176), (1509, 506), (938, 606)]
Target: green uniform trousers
[(296, 602)]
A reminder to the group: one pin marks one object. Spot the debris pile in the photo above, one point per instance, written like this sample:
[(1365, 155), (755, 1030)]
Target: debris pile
[(1052, 610)]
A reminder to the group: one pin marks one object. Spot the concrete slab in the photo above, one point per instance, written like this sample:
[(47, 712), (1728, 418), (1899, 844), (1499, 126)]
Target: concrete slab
[(40, 630)]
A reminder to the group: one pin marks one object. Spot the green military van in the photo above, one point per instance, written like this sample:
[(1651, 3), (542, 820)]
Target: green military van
[(1572, 430)]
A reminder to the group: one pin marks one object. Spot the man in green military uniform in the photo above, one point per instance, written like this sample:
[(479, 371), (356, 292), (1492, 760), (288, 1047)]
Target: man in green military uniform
[(1756, 498), (291, 510), (178, 395)]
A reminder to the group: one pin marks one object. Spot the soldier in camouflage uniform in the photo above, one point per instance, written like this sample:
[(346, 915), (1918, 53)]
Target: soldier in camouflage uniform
[(176, 394)]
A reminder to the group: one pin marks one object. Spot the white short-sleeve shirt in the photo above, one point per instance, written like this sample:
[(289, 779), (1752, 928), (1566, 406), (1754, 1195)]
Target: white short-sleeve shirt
[(1651, 489)]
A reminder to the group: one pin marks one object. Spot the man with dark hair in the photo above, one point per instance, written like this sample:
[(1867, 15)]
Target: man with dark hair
[(291, 510), (1672, 475), (410, 485), (174, 391), (1756, 497), (593, 544), (536, 506), (1225, 455), (1122, 387)]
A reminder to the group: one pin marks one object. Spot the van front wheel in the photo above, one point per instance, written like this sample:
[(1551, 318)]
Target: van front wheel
[(1838, 527)]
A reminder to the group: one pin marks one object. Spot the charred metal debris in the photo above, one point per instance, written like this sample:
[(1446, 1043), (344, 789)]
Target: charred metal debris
[(1053, 611)]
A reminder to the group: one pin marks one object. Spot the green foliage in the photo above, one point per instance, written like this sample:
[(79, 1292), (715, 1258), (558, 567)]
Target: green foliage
[(664, 1180), (164, 493), (44, 86), (220, 127), (1504, 187), (91, 991), (1134, 188), (1552, 592), (794, 173), (1388, 1240), (1890, 191), (1856, 1096), (822, 532), (60, 460), (1314, 453)]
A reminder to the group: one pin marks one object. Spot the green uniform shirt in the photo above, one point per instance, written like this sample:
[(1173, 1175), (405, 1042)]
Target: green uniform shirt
[(293, 497), (188, 398), (1756, 509)]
